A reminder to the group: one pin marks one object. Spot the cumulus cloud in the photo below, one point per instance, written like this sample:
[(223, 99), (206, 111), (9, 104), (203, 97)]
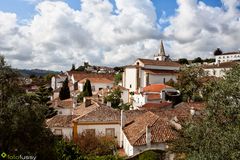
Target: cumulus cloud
[(102, 34), (197, 29)]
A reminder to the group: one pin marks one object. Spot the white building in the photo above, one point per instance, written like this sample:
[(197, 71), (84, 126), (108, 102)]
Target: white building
[(218, 70), (147, 71), (97, 84), (154, 94), (57, 81), (227, 57)]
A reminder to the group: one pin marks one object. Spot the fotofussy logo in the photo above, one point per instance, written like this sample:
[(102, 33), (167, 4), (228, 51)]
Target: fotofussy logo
[(3, 155)]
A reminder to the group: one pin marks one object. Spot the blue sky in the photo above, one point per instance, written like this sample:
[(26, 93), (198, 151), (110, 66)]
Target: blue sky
[(25, 9), (52, 34)]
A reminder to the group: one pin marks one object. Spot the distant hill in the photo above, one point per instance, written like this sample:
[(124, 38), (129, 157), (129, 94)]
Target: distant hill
[(36, 72)]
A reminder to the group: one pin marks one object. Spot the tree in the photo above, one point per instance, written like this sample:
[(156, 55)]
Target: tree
[(189, 82), (9, 82), (148, 155), (73, 67), (217, 52), (23, 129), (117, 78), (197, 60), (216, 134), (183, 61), (87, 89), (114, 97), (64, 92)]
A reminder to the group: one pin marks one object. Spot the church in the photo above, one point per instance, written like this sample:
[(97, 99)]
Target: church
[(144, 72)]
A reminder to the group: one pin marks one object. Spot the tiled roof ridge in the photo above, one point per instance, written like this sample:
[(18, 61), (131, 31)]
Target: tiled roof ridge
[(143, 131)]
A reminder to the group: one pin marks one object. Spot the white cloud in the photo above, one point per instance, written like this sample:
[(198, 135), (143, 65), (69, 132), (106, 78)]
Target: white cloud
[(198, 29), (58, 35)]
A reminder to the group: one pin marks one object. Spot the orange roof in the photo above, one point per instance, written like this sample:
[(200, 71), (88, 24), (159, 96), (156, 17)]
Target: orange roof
[(155, 87), (159, 63), (153, 97), (82, 75), (155, 106), (96, 80)]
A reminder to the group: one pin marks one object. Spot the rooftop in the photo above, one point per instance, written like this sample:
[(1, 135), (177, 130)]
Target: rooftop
[(159, 63), (155, 88)]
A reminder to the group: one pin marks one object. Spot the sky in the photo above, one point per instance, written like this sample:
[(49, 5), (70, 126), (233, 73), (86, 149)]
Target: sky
[(54, 34)]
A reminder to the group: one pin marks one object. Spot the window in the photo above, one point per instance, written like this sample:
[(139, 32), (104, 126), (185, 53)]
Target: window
[(57, 131), (164, 80), (90, 131), (59, 112), (130, 86), (108, 87), (110, 132), (138, 63)]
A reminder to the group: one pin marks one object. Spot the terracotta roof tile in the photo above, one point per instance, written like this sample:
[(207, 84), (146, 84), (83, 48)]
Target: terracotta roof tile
[(159, 63), (161, 130), (57, 103), (60, 121), (159, 72), (82, 75), (156, 106), (98, 113), (155, 87), (97, 80)]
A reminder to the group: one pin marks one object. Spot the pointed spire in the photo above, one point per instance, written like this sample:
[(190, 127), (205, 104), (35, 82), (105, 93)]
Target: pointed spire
[(161, 49)]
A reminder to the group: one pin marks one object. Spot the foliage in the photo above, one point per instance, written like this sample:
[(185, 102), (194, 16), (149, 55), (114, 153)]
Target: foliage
[(209, 60), (9, 82), (80, 68), (43, 95), (92, 145), (171, 83), (87, 89), (197, 60), (64, 92), (217, 134), (148, 155), (217, 52), (23, 129), (117, 78), (80, 97), (118, 69), (125, 106), (183, 61), (114, 97), (67, 150), (106, 157), (189, 82)]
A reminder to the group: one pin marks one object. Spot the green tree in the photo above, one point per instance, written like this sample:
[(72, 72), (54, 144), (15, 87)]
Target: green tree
[(115, 98), (87, 89), (148, 155), (189, 82), (217, 52), (9, 82), (23, 129), (197, 60), (64, 92), (216, 134), (183, 61), (117, 78)]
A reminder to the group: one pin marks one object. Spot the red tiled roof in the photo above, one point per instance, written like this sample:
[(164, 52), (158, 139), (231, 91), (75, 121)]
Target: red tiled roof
[(159, 63), (153, 97), (82, 75), (155, 87), (57, 103), (155, 106), (229, 53), (60, 121), (161, 130), (97, 113), (159, 72), (97, 80)]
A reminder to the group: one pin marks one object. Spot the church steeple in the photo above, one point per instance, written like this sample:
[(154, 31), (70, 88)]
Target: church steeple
[(161, 50), (161, 56)]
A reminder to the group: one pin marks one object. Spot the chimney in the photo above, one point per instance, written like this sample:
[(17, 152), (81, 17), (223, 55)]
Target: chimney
[(122, 126), (74, 99), (163, 95), (192, 111), (148, 136), (86, 102), (109, 104)]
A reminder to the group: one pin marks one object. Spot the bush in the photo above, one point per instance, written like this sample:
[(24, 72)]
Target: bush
[(148, 155)]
